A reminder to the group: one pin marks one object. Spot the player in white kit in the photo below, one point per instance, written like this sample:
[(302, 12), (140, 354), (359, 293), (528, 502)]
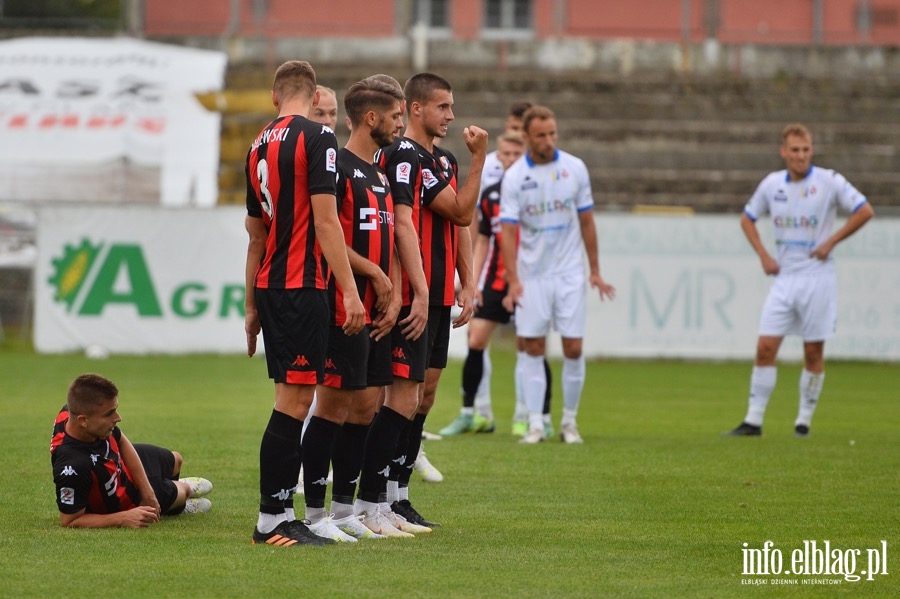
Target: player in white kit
[(546, 196), (802, 201)]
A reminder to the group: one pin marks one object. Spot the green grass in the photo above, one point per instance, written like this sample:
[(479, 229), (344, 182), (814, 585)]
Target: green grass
[(654, 504)]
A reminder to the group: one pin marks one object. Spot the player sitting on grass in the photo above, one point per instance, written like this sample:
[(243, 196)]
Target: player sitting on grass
[(102, 479)]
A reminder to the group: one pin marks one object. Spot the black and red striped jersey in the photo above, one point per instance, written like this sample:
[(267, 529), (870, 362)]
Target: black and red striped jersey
[(291, 160), (493, 275), (366, 211), (400, 162), (439, 236), (90, 476)]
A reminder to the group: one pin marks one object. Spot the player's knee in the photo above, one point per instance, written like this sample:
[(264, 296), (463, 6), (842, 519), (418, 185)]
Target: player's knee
[(178, 462)]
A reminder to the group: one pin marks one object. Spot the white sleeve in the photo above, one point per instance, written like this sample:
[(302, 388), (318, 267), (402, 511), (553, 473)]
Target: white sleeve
[(849, 198), (585, 199), (509, 197), (758, 205)]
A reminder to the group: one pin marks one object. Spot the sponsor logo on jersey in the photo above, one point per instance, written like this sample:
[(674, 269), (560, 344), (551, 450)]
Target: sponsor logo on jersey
[(67, 495), (529, 183), (358, 174), (377, 189), (796, 222), (403, 171), (779, 196), (428, 178), (331, 160)]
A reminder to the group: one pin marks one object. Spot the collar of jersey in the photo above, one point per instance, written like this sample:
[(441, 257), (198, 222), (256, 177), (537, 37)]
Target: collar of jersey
[(555, 157), (787, 175)]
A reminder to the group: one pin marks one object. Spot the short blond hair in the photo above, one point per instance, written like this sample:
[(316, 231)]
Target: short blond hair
[(795, 129), (294, 78)]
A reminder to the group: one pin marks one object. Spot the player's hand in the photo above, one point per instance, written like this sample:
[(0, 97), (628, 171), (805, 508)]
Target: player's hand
[(356, 314), (465, 299), (513, 297), (770, 266), (385, 321), (149, 500), (606, 290), (252, 329), (822, 252), (479, 298), (476, 139), (413, 325), (141, 516), (383, 290)]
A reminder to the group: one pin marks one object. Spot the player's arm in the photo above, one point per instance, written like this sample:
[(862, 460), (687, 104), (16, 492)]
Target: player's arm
[(330, 236), (255, 249), (466, 297), (589, 237), (856, 220), (748, 225), (138, 475), (459, 207), (509, 250), (407, 242), (380, 281), (479, 257), (385, 321)]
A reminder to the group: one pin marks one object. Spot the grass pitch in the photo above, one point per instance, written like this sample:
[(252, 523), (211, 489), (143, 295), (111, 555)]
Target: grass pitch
[(655, 503)]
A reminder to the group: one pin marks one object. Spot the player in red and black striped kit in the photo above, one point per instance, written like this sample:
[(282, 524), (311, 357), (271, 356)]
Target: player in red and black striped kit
[(295, 237), (102, 479), (445, 245), (359, 366)]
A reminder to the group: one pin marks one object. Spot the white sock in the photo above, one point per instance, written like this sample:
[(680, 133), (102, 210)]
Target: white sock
[(315, 514), (762, 383), (572, 383), (810, 388), (467, 411), (361, 507), (341, 510), (266, 523), (568, 417), (534, 382), (393, 491), (521, 412), (289, 514), (483, 395), (403, 492)]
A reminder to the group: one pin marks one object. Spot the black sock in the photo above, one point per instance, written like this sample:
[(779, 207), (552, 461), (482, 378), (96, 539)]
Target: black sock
[(473, 370), (347, 460), (318, 441), (412, 451), (381, 444), (549, 392), (279, 462)]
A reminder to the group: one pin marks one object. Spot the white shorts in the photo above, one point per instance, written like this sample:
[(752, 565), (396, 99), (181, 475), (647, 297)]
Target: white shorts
[(804, 305), (558, 300)]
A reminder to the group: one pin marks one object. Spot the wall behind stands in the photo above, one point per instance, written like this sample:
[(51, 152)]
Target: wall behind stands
[(153, 280)]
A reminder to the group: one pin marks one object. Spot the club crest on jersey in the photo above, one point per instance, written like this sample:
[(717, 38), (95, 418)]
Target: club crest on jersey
[(331, 160), (445, 163), (428, 179), (403, 170), (383, 178)]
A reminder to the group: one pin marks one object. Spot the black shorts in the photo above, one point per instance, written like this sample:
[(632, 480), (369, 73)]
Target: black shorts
[(407, 356), (438, 332), (492, 308), (158, 463), (295, 326), (358, 361)]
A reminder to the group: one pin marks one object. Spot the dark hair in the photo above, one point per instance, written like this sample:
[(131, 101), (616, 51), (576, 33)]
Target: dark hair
[(419, 88), (88, 392), (536, 112), (378, 92), (294, 78), (517, 109)]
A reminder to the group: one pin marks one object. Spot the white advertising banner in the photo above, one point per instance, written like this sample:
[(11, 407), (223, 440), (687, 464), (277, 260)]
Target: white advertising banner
[(150, 280), (140, 280), (109, 120)]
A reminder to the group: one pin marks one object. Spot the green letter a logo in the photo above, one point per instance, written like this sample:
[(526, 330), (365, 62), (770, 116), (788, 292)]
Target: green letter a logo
[(128, 260)]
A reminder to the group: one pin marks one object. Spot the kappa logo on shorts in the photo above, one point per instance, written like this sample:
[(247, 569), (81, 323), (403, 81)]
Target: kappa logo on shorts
[(300, 361), (329, 364), (397, 352)]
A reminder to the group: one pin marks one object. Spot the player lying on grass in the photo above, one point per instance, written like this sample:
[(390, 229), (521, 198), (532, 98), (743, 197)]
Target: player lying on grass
[(101, 478)]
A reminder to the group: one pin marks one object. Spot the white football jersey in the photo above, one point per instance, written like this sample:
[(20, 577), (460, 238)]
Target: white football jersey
[(492, 171), (803, 214), (545, 201)]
